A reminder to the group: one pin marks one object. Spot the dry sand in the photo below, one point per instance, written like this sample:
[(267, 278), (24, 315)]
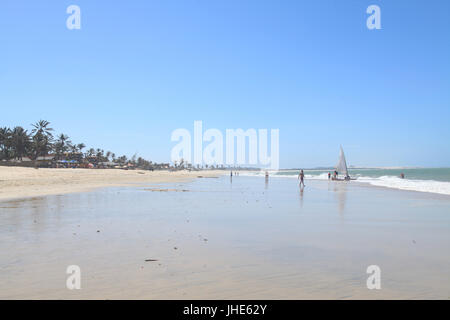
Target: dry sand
[(18, 182)]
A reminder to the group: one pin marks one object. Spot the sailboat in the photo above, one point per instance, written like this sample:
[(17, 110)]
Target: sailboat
[(341, 168)]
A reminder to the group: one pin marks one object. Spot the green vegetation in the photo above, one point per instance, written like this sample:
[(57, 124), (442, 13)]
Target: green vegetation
[(42, 146)]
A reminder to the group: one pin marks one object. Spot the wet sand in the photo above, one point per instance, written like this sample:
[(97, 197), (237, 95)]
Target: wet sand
[(19, 182), (227, 239)]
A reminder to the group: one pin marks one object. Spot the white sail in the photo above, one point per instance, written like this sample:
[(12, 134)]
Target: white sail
[(341, 166)]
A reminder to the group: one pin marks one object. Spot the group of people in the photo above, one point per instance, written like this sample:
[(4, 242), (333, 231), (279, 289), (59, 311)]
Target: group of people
[(301, 177), (335, 176)]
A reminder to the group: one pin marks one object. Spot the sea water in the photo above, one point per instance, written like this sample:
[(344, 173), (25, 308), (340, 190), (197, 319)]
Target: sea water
[(434, 180)]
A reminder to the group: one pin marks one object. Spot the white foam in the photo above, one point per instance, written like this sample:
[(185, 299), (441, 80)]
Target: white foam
[(440, 187), (432, 186)]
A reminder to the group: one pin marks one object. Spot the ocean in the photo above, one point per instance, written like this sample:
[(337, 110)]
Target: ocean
[(434, 180)]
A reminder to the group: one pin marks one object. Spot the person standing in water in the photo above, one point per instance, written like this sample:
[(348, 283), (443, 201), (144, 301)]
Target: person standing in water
[(301, 177), (335, 175)]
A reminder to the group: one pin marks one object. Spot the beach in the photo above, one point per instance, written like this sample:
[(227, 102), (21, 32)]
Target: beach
[(20, 182), (246, 151), (223, 238)]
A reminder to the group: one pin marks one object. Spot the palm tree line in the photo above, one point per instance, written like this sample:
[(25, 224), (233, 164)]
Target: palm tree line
[(18, 143)]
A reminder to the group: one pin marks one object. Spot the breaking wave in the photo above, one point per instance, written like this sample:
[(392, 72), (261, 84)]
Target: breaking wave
[(439, 187)]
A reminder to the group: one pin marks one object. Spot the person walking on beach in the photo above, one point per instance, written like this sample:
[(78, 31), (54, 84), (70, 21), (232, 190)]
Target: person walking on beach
[(301, 177), (329, 176)]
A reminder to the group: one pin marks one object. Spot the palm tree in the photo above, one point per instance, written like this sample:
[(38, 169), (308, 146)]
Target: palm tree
[(81, 146), (42, 138), (122, 160), (20, 142), (100, 155), (133, 158), (91, 152), (42, 127), (5, 143), (62, 145)]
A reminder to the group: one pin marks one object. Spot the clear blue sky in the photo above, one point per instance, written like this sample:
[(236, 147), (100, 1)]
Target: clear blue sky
[(139, 69)]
